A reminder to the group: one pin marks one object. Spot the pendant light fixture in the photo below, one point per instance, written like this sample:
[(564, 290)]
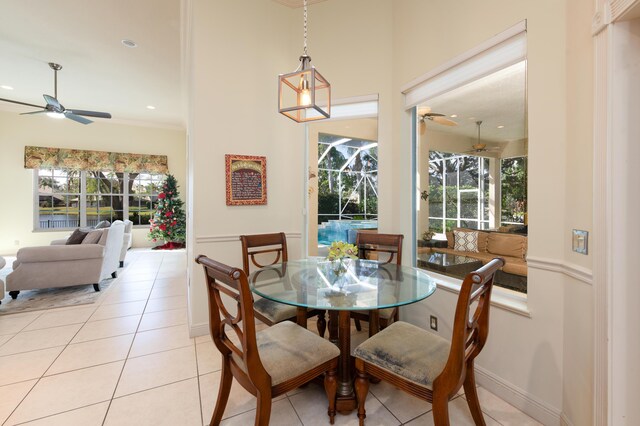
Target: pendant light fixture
[(304, 95)]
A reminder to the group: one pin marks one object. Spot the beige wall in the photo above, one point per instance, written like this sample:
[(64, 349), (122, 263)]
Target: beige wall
[(237, 51), (530, 354), (16, 131), (365, 47)]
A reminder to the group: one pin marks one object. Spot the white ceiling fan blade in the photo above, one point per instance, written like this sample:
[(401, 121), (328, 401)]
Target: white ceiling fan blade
[(444, 121)]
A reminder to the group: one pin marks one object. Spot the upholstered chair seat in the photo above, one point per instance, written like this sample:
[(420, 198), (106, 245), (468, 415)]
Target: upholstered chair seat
[(407, 351), (287, 350), (274, 311)]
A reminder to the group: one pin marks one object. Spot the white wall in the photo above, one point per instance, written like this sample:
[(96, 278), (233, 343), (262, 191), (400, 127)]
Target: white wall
[(625, 204), (17, 131), (237, 51), (376, 46), (528, 355)]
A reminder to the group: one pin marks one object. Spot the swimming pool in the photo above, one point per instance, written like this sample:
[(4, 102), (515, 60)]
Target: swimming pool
[(342, 230)]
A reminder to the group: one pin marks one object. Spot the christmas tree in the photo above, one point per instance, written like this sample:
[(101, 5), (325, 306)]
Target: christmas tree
[(168, 223)]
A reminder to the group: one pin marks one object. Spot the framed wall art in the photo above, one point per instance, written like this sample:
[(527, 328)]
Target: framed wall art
[(246, 179)]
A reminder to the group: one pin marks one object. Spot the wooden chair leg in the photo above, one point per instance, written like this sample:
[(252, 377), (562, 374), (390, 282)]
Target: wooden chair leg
[(263, 410), (440, 408), (362, 388), (223, 394), (358, 325), (471, 393), (321, 324), (331, 388)]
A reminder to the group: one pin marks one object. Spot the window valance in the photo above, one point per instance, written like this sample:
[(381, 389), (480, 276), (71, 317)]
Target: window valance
[(36, 157)]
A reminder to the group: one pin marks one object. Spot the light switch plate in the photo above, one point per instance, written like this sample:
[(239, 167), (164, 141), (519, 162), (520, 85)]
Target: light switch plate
[(580, 241)]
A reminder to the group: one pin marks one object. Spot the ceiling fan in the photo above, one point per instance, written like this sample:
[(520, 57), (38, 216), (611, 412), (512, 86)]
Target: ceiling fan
[(479, 147), (425, 114), (56, 109)]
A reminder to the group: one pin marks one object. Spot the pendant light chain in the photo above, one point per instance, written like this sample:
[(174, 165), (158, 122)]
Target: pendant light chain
[(305, 27)]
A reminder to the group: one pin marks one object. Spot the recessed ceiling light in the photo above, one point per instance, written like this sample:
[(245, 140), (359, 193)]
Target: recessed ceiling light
[(150, 107), (501, 127), (453, 115), (6, 87), (472, 118), (129, 43)]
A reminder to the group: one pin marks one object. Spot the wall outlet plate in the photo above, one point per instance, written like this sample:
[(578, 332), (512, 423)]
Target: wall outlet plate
[(580, 241), (433, 323)]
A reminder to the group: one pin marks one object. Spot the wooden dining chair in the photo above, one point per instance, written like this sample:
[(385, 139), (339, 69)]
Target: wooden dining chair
[(391, 246), (426, 365), (268, 311), (268, 363)]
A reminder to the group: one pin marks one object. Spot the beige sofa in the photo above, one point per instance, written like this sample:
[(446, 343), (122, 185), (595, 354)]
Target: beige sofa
[(511, 247), (67, 265)]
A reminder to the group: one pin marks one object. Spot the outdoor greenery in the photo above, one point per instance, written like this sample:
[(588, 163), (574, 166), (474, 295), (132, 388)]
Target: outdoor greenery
[(104, 192), (360, 172), (514, 189)]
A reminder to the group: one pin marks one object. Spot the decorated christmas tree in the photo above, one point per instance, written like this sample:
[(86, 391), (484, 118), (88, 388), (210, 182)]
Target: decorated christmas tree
[(168, 222)]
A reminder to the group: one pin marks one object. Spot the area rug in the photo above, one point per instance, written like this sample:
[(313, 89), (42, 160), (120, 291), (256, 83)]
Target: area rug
[(50, 298)]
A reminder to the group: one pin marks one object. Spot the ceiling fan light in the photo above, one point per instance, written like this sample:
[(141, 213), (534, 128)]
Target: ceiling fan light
[(56, 115)]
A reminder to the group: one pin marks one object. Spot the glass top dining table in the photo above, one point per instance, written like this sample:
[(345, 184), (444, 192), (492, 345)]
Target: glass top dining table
[(354, 285)]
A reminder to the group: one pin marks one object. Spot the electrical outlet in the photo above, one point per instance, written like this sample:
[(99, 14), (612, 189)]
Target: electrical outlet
[(433, 322), (16, 242)]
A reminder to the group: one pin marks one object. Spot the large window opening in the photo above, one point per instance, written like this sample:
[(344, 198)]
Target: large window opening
[(70, 199), (343, 181), (471, 167)]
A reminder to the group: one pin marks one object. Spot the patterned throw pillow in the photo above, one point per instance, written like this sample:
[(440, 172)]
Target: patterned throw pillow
[(466, 241)]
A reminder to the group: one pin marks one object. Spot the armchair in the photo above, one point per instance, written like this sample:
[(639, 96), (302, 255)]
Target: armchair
[(60, 265)]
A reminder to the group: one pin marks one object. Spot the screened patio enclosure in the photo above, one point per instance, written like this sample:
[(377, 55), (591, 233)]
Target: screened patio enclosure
[(347, 187)]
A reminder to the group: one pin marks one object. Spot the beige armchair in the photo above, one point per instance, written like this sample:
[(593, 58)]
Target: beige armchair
[(67, 265), (127, 240)]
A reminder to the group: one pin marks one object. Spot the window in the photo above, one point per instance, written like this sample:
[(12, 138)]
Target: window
[(513, 172), (143, 194), (458, 191), (69, 199)]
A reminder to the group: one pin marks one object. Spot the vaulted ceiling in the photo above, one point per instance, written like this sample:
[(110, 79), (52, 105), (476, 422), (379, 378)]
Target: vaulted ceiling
[(99, 72)]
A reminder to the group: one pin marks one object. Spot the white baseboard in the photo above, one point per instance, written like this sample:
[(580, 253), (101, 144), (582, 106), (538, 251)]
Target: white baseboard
[(196, 330), (519, 398)]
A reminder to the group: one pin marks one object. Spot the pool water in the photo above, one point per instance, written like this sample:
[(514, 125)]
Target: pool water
[(342, 230)]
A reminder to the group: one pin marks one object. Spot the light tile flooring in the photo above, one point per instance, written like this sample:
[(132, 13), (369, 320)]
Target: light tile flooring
[(128, 360)]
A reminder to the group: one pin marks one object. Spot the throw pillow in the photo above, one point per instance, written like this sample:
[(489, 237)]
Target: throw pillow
[(93, 237), (103, 224), (466, 241), (76, 237)]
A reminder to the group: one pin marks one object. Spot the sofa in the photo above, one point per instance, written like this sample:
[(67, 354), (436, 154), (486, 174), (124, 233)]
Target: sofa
[(510, 246), (62, 265)]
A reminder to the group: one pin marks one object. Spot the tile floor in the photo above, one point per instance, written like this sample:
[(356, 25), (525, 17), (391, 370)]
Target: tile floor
[(128, 360)]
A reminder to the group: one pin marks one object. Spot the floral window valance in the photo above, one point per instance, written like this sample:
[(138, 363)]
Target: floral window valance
[(36, 157)]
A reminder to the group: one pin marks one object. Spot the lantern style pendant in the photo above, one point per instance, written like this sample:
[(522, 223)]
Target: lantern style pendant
[(304, 95)]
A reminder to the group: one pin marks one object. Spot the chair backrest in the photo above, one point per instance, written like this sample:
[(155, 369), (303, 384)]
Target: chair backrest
[(227, 327), (469, 332), (253, 245), (381, 243)]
